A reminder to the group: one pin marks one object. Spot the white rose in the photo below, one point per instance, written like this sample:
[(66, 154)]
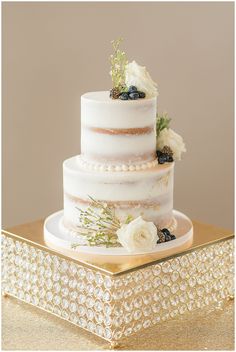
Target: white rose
[(139, 77), (173, 140), (138, 235)]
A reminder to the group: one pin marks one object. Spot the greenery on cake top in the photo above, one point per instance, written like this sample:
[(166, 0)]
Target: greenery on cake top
[(118, 61)]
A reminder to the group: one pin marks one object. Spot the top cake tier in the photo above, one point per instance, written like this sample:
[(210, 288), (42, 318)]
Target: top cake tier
[(116, 131)]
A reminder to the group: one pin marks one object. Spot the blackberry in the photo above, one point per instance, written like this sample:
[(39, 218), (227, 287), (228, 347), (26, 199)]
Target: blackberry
[(142, 95), (124, 96), (132, 89), (133, 96)]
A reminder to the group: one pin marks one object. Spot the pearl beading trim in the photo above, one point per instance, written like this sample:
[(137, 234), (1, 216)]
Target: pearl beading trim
[(116, 168)]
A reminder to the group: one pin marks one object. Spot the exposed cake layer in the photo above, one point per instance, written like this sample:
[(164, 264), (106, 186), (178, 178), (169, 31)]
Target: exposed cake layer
[(115, 131), (148, 193)]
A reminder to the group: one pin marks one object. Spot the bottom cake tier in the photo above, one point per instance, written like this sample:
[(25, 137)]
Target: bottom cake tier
[(147, 193)]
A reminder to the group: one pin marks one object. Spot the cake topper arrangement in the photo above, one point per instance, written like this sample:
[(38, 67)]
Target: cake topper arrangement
[(130, 80)]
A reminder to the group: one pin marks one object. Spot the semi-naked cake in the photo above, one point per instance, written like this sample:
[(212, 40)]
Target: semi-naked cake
[(118, 163), (119, 191)]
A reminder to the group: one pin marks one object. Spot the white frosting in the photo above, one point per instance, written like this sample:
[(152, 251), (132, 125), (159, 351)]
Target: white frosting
[(103, 121), (120, 146)]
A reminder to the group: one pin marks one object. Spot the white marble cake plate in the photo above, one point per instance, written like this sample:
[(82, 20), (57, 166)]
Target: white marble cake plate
[(54, 238)]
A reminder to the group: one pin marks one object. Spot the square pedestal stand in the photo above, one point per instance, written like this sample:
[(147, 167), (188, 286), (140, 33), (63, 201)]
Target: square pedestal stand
[(115, 299)]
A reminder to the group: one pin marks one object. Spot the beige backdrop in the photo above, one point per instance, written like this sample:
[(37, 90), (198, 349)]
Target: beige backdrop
[(54, 52)]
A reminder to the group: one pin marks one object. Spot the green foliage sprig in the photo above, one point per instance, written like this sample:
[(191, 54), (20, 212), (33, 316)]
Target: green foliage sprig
[(118, 61), (162, 121)]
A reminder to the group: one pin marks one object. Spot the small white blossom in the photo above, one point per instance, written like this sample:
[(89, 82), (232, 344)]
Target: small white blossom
[(138, 235), (173, 140), (138, 76)]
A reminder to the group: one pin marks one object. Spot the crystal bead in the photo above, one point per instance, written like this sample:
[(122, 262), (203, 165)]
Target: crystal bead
[(147, 298), (90, 276), (63, 266), (48, 273), (99, 318), (98, 306), (118, 334), (157, 296), (183, 285), (73, 295), (57, 300), (81, 311), (99, 330), (200, 291), (165, 291), (174, 276), (146, 311), (146, 324), (156, 282), (106, 296), (182, 309), (91, 326), (156, 269), (73, 283), (166, 267), (128, 331), (90, 289), (64, 291), (56, 262), (56, 276), (57, 287), (165, 279), (137, 289), (90, 314), (107, 282), (138, 302), (48, 260), (65, 303), (80, 286), (108, 333), (107, 309), (81, 272), (117, 310), (81, 299), (65, 279), (90, 302), (127, 293), (137, 314), (107, 320), (137, 327), (49, 284), (73, 307), (98, 279), (73, 318), (49, 296), (73, 269), (156, 307), (65, 314)]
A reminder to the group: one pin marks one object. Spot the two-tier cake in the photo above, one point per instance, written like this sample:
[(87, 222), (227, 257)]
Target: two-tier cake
[(119, 191)]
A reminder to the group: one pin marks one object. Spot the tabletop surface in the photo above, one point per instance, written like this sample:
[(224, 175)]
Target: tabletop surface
[(25, 327)]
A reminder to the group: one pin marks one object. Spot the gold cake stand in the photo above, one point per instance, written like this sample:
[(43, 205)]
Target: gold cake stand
[(124, 301)]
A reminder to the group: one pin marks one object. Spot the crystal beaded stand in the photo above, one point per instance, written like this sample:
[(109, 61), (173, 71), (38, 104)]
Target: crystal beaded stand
[(115, 300)]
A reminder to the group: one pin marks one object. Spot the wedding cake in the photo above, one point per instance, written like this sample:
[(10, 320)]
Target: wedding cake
[(119, 190)]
